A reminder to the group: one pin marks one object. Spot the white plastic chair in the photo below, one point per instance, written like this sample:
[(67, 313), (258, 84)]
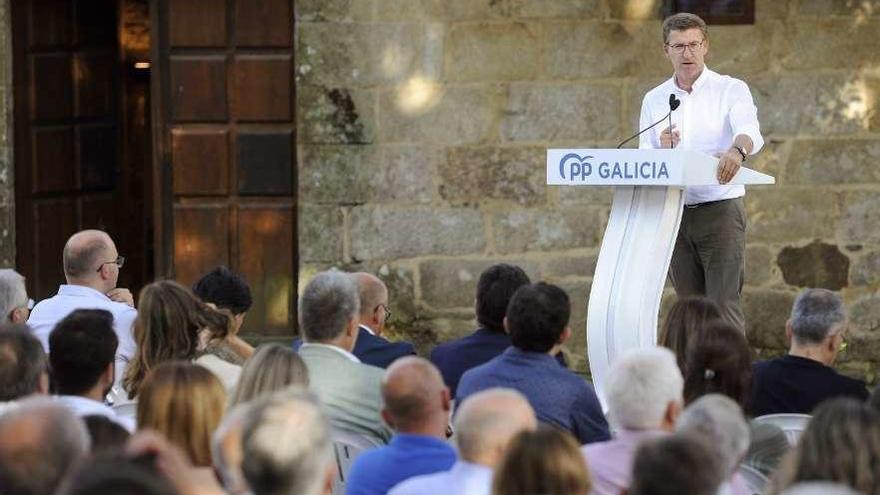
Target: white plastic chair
[(755, 480), (347, 446), (792, 424)]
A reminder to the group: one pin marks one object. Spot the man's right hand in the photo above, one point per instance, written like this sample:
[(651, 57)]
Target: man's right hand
[(121, 295), (670, 137)]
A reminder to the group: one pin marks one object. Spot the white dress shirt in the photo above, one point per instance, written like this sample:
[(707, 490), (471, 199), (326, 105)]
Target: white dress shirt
[(717, 109), (465, 478), (48, 312), (82, 407)]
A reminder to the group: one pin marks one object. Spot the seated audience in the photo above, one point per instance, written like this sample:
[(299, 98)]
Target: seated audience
[(183, 402), (537, 321), (226, 448), (800, 380), (371, 348), (14, 302), (719, 420), (287, 447), (271, 368), (644, 399), (484, 426), (82, 352), (545, 461), (688, 317), (719, 362), (349, 390), (41, 441), (105, 434), (113, 473), (841, 444), (23, 366), (227, 290), (675, 465), (417, 406), (173, 324), (819, 488), (91, 268)]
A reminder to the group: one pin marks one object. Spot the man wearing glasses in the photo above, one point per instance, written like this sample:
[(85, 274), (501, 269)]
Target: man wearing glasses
[(717, 116), (14, 301), (91, 267)]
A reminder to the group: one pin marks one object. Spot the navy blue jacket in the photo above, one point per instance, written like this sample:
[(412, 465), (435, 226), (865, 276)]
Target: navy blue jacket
[(558, 396), (455, 357), (374, 350)]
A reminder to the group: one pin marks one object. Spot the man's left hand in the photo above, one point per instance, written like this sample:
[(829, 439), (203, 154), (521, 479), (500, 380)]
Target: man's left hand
[(728, 165), (121, 295)]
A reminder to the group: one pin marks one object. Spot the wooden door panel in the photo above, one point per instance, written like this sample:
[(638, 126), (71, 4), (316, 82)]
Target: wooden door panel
[(201, 241), (198, 88), (96, 22), (265, 163), (197, 23), (52, 89), (263, 23), (262, 88), (56, 221), (54, 163), (97, 157), (265, 235), (49, 23), (201, 162), (93, 78)]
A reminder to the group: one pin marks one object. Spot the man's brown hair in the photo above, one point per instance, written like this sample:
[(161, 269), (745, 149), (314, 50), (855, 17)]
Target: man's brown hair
[(682, 22)]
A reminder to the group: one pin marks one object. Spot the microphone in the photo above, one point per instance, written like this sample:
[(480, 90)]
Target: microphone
[(673, 104)]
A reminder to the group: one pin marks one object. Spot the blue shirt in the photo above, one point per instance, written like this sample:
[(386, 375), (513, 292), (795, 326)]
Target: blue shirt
[(376, 471), (558, 396)]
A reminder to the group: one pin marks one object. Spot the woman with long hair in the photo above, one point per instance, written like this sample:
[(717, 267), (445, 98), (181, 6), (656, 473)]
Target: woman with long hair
[(271, 368), (184, 402), (687, 318), (546, 461)]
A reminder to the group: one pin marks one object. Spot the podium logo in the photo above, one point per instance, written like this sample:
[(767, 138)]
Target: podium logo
[(576, 165)]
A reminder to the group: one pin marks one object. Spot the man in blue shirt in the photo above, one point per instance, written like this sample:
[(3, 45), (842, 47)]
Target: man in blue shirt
[(417, 406), (537, 321)]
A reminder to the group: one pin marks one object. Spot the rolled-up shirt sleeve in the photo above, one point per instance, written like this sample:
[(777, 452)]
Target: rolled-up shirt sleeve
[(744, 115)]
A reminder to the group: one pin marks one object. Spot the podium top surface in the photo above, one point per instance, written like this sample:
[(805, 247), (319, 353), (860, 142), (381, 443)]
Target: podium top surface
[(640, 167)]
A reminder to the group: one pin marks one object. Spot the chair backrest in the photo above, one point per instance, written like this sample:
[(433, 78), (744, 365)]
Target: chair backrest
[(792, 424), (347, 446), (755, 480)]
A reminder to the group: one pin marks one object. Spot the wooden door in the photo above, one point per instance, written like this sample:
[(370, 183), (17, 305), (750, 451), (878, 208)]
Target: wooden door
[(68, 169), (224, 154)]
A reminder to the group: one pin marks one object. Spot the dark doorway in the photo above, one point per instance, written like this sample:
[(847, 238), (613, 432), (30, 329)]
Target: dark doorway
[(81, 84)]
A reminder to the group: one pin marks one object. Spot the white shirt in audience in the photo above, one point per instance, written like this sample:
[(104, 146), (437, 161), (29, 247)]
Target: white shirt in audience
[(48, 312), (82, 407), (465, 478), (227, 372)]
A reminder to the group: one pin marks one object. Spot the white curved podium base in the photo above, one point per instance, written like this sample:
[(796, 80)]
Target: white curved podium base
[(630, 274)]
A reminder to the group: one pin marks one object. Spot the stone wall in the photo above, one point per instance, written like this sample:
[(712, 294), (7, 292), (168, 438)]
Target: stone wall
[(7, 184), (423, 123)]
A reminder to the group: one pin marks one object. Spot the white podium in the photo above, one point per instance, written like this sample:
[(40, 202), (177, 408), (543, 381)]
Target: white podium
[(624, 300)]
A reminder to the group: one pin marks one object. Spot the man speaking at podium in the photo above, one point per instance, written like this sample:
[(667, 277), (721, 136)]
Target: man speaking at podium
[(716, 115)]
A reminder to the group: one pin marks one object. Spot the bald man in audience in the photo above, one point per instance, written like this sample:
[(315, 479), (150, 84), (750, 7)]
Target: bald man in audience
[(41, 441), (484, 426), (417, 406), (91, 268), (371, 348)]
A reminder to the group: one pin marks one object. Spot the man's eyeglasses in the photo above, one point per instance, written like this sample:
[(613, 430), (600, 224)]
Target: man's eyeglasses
[(384, 308), (679, 48), (119, 261)]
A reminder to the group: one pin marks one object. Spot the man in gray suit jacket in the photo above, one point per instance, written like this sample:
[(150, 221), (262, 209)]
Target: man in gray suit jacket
[(350, 390)]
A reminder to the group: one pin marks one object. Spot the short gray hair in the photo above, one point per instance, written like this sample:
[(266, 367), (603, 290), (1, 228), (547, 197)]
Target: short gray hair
[(641, 384), (286, 445), (42, 441), (815, 313), (682, 22), (328, 303), (13, 293), (231, 424), (718, 420)]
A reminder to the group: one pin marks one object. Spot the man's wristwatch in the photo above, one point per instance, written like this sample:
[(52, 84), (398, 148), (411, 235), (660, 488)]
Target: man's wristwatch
[(741, 150)]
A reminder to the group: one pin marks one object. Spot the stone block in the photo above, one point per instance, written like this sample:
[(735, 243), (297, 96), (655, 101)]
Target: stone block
[(493, 52), (362, 54), (388, 233), (541, 230), (642, 10), (852, 45), (446, 10), (7, 237), (589, 49), (737, 50), (772, 9), (766, 312), (453, 283), (864, 326), (859, 9), (399, 278), (860, 218), (810, 103), (334, 10), (320, 233), (335, 115), (359, 174), (552, 112), (479, 174), (815, 265), (865, 270), (759, 259), (562, 266), (788, 215), (597, 196), (556, 9), (458, 115), (773, 157), (576, 347), (872, 87), (823, 162)]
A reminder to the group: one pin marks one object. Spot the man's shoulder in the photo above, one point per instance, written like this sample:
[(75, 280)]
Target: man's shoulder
[(426, 483)]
